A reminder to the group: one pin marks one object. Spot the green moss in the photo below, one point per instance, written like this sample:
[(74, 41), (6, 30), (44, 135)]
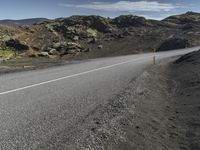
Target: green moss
[(5, 38), (51, 29), (91, 32), (7, 54)]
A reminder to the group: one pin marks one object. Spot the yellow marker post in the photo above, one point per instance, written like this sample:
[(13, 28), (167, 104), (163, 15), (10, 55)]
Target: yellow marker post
[(154, 57)]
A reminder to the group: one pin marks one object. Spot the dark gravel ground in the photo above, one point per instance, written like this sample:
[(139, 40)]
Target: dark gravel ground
[(186, 71)]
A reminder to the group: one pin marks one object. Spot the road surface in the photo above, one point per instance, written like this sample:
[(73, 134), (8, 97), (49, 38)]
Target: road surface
[(38, 105)]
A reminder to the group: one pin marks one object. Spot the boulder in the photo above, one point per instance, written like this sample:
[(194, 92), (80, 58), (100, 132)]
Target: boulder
[(130, 20), (44, 54), (68, 47), (75, 38), (52, 51), (92, 41), (72, 45), (173, 43), (100, 46), (16, 44), (59, 46)]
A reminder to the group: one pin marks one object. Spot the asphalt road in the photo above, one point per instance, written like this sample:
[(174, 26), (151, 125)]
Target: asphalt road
[(38, 105)]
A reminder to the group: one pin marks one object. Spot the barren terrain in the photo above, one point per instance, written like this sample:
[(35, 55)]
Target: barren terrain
[(83, 37)]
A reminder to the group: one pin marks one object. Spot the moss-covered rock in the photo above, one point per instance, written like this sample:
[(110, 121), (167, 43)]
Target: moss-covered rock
[(5, 38), (7, 54), (51, 29), (66, 46), (53, 51), (91, 33), (72, 45)]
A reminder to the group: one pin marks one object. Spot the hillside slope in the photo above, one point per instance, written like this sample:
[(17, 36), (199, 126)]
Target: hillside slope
[(95, 36)]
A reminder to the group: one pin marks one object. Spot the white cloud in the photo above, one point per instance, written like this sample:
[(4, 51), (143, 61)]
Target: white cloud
[(127, 6)]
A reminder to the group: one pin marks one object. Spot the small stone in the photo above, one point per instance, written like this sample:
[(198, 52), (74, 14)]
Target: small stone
[(44, 54), (53, 52), (100, 46), (75, 38)]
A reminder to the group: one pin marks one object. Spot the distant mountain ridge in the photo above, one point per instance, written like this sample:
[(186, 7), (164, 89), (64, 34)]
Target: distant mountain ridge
[(21, 22)]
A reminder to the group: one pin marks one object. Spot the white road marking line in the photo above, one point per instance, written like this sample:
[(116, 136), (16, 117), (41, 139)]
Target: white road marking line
[(70, 76)]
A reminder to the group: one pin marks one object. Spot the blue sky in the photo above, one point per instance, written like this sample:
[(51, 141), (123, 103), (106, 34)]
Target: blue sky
[(156, 9)]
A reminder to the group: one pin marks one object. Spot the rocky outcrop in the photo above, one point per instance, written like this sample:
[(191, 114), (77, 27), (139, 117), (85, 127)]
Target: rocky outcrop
[(16, 44), (189, 17), (67, 47), (103, 36), (173, 43), (128, 21), (96, 22)]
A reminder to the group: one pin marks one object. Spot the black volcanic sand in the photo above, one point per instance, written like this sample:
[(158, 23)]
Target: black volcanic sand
[(186, 72), (158, 111)]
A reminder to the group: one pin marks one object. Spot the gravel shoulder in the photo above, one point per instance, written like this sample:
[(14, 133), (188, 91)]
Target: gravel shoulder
[(157, 111)]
